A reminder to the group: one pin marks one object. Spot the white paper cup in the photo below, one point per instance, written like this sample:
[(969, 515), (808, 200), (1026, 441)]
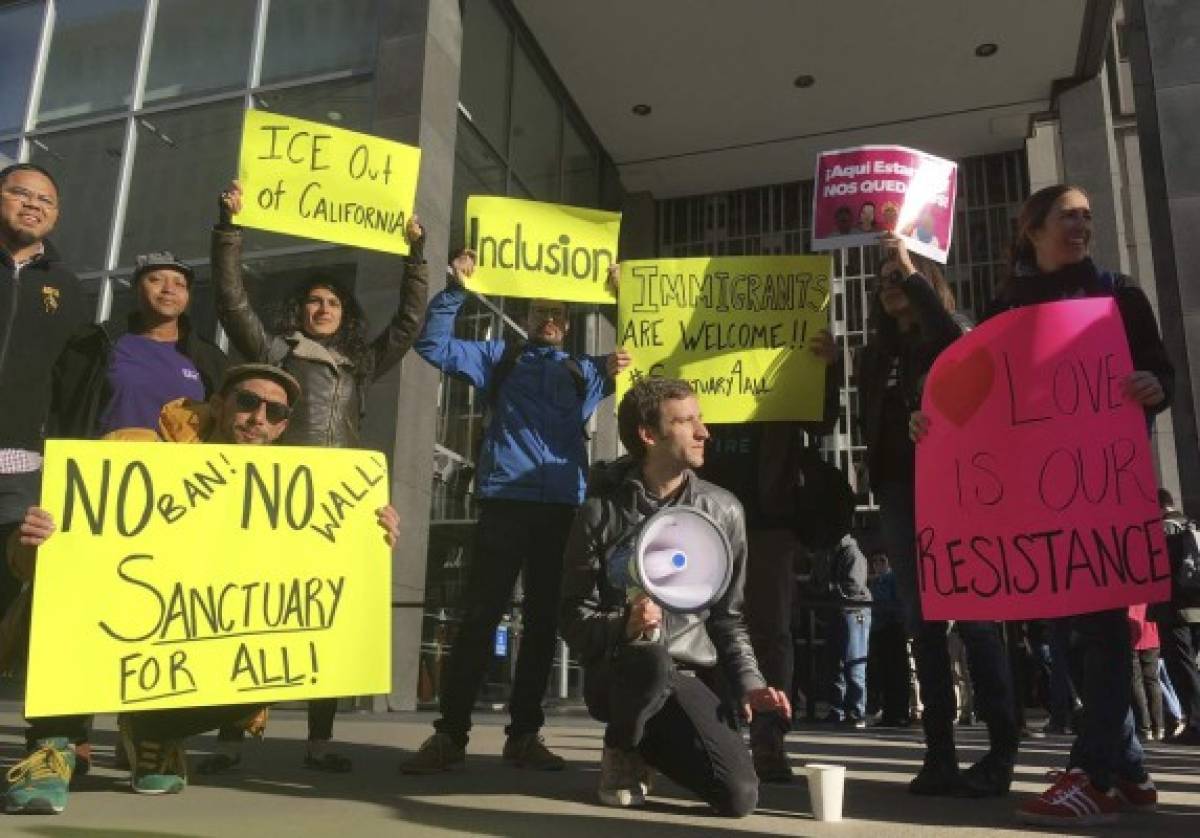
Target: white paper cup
[(826, 786)]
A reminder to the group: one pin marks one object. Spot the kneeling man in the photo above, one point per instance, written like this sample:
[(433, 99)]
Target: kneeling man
[(654, 693)]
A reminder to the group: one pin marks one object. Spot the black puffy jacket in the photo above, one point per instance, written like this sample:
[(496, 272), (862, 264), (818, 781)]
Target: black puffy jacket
[(331, 387), (593, 613)]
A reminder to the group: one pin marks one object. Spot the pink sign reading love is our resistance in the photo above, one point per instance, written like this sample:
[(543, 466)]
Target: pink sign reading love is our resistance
[(1036, 493), (861, 192)]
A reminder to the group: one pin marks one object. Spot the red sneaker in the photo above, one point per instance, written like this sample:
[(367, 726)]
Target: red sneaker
[(1071, 800), (1141, 797)]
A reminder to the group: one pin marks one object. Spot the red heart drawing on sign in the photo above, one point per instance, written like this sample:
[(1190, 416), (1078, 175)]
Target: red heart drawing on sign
[(962, 385)]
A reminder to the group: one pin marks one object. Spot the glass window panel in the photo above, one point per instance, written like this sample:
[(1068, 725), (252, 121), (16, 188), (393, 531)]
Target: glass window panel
[(346, 104), (93, 52), (309, 37), (183, 158), (8, 152), (487, 45), (21, 25), (581, 169), (537, 124), (86, 163), (199, 46), (477, 171)]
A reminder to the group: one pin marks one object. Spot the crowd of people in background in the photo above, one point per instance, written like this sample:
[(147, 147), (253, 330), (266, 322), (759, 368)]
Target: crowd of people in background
[(1114, 679)]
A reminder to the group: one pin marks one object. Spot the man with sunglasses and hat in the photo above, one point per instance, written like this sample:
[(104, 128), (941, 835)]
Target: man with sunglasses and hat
[(251, 407)]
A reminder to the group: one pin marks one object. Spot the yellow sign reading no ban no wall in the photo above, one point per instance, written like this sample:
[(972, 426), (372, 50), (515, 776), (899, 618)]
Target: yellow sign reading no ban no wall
[(320, 182), (193, 575), (737, 328), (549, 251)]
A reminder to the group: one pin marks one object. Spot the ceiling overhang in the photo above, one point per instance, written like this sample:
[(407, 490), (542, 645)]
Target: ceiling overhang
[(719, 77)]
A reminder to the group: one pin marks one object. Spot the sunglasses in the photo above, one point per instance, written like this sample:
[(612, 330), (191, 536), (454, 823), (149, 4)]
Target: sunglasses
[(247, 402)]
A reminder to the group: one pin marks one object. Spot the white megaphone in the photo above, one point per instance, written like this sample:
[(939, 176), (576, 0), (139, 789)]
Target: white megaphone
[(679, 557)]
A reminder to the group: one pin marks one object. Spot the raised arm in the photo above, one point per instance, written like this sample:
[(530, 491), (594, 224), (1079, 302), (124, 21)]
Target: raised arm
[(471, 360), (397, 338), (243, 326)]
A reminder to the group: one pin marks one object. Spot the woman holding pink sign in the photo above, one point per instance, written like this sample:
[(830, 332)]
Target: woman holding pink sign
[(1105, 773), (912, 321)]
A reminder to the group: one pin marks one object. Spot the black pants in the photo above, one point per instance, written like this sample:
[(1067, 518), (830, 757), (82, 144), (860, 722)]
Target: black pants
[(676, 723), (888, 672), (1147, 690), (1179, 643), (770, 590), (74, 728), (511, 537), (320, 722), (160, 725)]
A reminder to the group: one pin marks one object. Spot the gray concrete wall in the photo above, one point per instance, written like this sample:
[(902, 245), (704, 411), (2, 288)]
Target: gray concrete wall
[(1089, 160), (1165, 61), (416, 102)]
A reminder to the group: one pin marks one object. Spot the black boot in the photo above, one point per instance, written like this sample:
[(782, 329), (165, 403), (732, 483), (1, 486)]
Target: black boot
[(938, 777), (990, 777)]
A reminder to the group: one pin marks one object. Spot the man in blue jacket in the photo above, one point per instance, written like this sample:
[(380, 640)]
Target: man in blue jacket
[(530, 479)]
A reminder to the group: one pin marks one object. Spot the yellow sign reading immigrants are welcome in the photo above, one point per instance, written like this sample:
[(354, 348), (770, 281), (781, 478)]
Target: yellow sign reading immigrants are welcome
[(549, 251), (320, 182), (737, 328), (192, 575)]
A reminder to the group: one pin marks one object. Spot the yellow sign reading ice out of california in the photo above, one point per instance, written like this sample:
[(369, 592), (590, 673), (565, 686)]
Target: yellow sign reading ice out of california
[(735, 327), (320, 182), (190, 575), (551, 251)]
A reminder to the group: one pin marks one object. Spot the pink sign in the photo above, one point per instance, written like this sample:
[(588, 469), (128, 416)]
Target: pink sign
[(1036, 494), (861, 192)]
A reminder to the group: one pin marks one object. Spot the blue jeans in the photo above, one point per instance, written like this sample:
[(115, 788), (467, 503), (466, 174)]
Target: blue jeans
[(1106, 747), (990, 673), (849, 641), (1062, 687)]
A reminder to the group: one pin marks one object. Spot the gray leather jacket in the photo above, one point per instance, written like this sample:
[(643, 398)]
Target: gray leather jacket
[(332, 390), (593, 613)]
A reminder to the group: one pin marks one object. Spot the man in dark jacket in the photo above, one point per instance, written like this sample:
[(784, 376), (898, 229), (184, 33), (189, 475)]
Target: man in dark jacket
[(40, 307), (653, 692), (529, 480), (119, 373), (760, 462), (849, 633), (1178, 620)]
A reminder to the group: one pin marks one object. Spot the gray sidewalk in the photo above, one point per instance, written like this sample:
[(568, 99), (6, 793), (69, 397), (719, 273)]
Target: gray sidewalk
[(274, 795)]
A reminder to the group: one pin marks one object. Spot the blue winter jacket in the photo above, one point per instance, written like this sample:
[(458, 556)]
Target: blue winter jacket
[(534, 447)]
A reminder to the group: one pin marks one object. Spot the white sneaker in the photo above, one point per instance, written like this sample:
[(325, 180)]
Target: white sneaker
[(624, 778)]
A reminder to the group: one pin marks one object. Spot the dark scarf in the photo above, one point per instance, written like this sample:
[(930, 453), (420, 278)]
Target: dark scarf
[(1029, 285)]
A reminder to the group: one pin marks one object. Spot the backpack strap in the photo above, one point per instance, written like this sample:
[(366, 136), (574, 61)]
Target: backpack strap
[(503, 369)]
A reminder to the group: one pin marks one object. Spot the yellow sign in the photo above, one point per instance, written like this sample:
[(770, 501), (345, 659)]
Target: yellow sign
[(192, 575), (312, 180), (735, 327), (547, 251)]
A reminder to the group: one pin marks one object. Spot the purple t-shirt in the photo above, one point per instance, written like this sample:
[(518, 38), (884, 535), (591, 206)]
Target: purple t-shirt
[(143, 375)]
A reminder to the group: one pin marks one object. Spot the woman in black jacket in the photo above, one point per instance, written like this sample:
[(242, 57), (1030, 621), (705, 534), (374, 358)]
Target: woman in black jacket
[(119, 373), (912, 321), (1050, 262)]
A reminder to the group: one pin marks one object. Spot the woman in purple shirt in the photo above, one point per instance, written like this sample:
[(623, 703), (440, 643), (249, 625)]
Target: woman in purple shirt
[(120, 373)]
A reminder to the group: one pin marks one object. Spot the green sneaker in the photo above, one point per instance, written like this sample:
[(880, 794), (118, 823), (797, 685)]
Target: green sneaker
[(159, 767), (38, 784)]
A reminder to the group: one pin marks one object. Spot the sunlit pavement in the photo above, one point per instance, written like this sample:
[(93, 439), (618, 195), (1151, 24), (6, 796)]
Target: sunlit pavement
[(273, 794)]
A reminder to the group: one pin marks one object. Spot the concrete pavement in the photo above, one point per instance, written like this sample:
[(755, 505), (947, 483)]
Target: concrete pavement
[(274, 795)]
